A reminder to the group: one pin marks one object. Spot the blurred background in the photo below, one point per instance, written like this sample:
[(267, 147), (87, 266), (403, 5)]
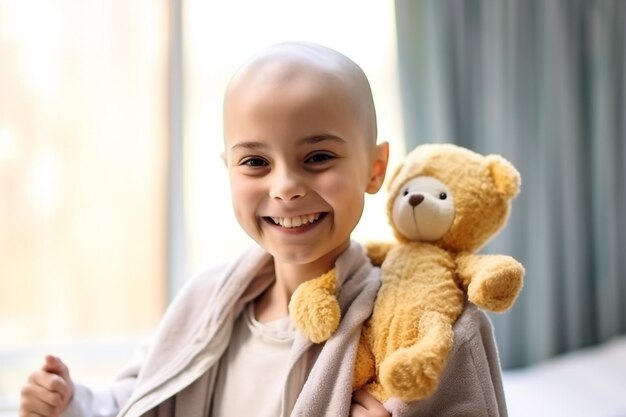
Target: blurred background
[(113, 193)]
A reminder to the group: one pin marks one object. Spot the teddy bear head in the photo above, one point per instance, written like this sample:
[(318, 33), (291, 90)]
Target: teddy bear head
[(450, 196)]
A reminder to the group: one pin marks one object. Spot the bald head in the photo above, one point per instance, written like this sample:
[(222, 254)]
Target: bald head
[(308, 65)]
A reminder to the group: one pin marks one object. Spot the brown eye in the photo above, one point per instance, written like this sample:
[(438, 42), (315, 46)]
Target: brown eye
[(254, 162), (319, 158), (443, 196)]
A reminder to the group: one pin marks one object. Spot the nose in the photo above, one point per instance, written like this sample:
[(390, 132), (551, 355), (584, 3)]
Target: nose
[(286, 186), (415, 199)]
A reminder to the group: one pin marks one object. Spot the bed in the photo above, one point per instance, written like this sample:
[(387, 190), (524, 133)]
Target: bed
[(590, 382)]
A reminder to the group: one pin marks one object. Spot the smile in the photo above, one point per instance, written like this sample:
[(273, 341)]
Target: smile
[(293, 222)]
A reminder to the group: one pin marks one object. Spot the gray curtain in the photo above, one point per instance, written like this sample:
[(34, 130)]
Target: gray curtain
[(543, 83)]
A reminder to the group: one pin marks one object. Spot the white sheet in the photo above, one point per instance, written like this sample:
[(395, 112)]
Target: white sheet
[(589, 383)]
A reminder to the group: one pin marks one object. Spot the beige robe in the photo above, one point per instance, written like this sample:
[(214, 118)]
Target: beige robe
[(174, 376)]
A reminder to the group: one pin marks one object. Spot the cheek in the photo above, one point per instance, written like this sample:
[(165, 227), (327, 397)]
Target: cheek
[(337, 184), (242, 194), (344, 192), (352, 178)]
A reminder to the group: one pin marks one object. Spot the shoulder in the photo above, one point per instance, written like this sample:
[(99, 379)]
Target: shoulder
[(200, 294), (474, 345), (213, 279), (472, 326), (221, 285), (204, 281), (193, 302), (355, 272), (201, 285)]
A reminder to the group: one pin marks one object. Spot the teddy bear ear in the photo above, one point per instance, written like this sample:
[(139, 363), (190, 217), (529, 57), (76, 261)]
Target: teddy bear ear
[(506, 178)]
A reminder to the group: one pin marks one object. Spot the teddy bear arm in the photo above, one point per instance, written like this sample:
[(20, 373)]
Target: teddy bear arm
[(377, 251), (492, 282)]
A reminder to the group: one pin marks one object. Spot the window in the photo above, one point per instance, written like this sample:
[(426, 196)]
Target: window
[(82, 174), (84, 159)]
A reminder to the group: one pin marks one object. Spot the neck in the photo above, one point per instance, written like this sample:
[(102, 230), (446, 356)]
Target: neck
[(274, 302)]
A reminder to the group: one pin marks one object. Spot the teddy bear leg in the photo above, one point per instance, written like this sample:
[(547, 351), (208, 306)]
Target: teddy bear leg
[(364, 365), (314, 308), (412, 373)]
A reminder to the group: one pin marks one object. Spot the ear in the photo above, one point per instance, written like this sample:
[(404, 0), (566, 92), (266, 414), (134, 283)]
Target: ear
[(379, 167), (505, 176)]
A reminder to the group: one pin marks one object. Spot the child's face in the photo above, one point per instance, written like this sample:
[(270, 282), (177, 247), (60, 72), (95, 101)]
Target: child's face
[(299, 164)]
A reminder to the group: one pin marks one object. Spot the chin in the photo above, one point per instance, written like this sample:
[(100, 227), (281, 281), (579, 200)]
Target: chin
[(296, 257)]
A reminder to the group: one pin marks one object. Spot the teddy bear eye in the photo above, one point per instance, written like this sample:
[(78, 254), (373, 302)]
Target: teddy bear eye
[(406, 192), (443, 196)]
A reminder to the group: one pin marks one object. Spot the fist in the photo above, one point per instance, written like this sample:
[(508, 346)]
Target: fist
[(48, 390), (365, 405)]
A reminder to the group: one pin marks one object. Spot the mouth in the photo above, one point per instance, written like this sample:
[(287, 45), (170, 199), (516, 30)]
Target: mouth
[(296, 221)]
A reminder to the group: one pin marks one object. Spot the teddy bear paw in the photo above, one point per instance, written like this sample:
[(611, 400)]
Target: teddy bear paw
[(498, 288), (314, 308)]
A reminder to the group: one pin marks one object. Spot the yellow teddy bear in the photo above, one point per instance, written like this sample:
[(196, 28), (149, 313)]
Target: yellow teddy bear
[(445, 203)]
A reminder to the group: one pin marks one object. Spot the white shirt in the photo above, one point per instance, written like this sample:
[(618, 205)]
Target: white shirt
[(253, 370)]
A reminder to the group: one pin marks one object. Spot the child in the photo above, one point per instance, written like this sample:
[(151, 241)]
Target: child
[(301, 152)]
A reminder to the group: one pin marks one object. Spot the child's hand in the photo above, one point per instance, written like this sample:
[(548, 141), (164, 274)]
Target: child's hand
[(365, 405), (48, 390)]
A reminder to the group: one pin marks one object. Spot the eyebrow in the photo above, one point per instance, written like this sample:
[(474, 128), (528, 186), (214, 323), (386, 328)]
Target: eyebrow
[(248, 145), (312, 140), (309, 140)]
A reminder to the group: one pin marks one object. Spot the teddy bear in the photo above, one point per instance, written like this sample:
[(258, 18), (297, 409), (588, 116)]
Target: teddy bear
[(445, 203)]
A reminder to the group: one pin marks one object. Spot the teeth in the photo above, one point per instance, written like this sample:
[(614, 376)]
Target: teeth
[(290, 222)]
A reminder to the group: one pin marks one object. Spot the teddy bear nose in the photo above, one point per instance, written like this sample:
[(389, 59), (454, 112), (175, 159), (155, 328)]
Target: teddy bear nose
[(415, 199)]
